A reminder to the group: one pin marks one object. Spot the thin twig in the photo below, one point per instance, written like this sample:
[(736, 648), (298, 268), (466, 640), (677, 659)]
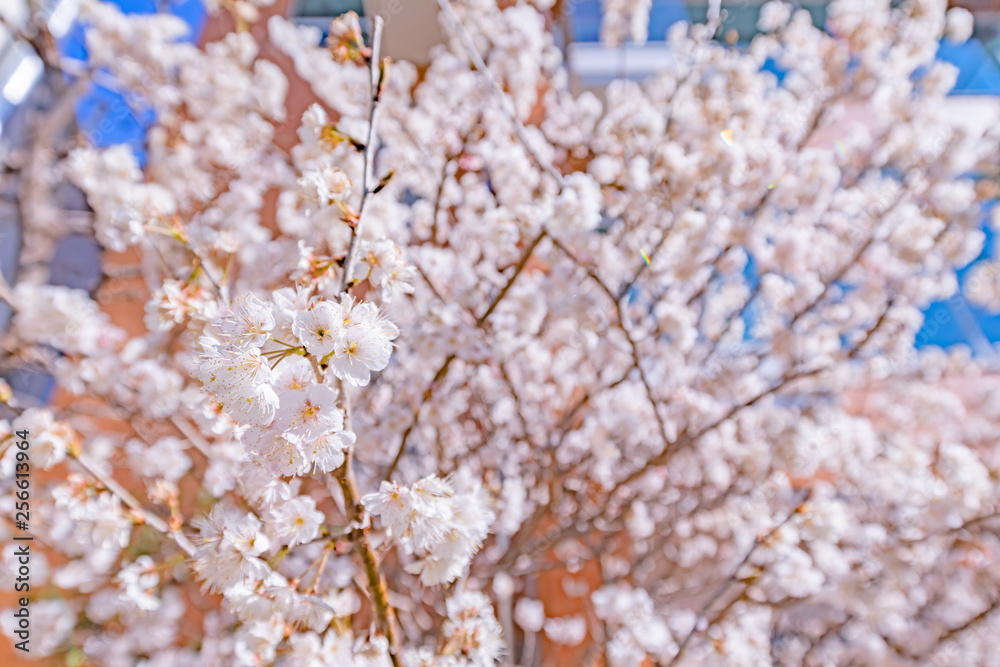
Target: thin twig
[(508, 107), (443, 370), (428, 393), (193, 436), (510, 281), (449, 158), (636, 361), (147, 517), (730, 580), (367, 177)]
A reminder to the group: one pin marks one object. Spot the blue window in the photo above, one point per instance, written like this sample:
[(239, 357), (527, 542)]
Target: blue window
[(327, 8)]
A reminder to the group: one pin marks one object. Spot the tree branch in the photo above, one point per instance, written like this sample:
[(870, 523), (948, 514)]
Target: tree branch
[(147, 517), (367, 178), (385, 617)]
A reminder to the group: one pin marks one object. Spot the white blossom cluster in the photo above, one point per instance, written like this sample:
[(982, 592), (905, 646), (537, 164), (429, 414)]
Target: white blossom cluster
[(450, 366), (443, 526)]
